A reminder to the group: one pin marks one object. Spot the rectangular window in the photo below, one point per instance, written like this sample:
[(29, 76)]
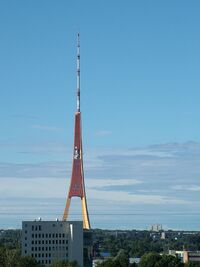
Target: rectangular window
[(40, 228)]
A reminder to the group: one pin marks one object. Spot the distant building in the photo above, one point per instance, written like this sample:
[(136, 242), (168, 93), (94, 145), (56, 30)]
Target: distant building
[(155, 227), (186, 256), (163, 236), (191, 256), (50, 241)]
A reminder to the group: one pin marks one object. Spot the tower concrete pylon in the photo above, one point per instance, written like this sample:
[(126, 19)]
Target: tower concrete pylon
[(77, 184)]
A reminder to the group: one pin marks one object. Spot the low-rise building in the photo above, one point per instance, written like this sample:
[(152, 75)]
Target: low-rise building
[(51, 241)]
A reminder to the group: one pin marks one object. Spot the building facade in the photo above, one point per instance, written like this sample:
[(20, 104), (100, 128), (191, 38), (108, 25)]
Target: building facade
[(51, 241)]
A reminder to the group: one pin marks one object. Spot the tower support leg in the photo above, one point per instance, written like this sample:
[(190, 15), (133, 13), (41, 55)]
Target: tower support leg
[(86, 221), (66, 211)]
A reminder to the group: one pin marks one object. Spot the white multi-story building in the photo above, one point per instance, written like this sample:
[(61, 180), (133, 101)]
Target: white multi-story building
[(51, 241)]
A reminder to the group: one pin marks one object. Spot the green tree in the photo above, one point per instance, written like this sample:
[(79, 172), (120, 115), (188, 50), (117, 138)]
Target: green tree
[(28, 262), (192, 264), (122, 259), (169, 261), (64, 264), (2, 257), (149, 260), (156, 260)]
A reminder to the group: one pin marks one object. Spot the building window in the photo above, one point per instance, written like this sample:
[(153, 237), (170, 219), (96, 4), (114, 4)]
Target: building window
[(40, 228), (46, 235), (25, 251), (25, 245), (46, 255), (25, 231), (32, 248), (63, 241), (42, 235), (60, 235), (32, 235), (56, 235), (39, 242), (32, 227), (49, 241), (49, 235), (35, 228), (53, 235), (42, 248), (25, 238), (49, 248), (35, 255), (39, 235), (42, 241), (63, 235), (35, 235), (59, 241)]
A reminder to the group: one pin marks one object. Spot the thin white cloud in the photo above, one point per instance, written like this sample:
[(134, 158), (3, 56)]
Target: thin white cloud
[(194, 188), (100, 183), (46, 128), (120, 196), (103, 133)]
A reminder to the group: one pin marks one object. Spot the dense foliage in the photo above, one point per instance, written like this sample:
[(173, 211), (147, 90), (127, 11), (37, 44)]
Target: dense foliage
[(148, 260), (137, 243)]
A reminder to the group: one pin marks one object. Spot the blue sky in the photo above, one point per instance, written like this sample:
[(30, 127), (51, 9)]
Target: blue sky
[(140, 63)]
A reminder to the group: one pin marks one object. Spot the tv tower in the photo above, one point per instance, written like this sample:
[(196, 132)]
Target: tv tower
[(77, 185)]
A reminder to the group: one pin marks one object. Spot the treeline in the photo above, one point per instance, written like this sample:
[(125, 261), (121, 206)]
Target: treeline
[(137, 243), (148, 260), (12, 258)]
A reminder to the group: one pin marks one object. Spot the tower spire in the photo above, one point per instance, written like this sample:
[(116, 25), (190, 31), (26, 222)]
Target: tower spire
[(77, 184), (78, 73)]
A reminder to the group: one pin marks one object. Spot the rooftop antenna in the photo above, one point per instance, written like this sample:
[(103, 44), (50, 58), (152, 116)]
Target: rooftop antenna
[(78, 73)]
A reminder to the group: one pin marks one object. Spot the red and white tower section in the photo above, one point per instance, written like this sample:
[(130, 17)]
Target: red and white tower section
[(77, 185)]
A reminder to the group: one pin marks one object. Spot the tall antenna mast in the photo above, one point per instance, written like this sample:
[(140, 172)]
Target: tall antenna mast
[(78, 73)]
